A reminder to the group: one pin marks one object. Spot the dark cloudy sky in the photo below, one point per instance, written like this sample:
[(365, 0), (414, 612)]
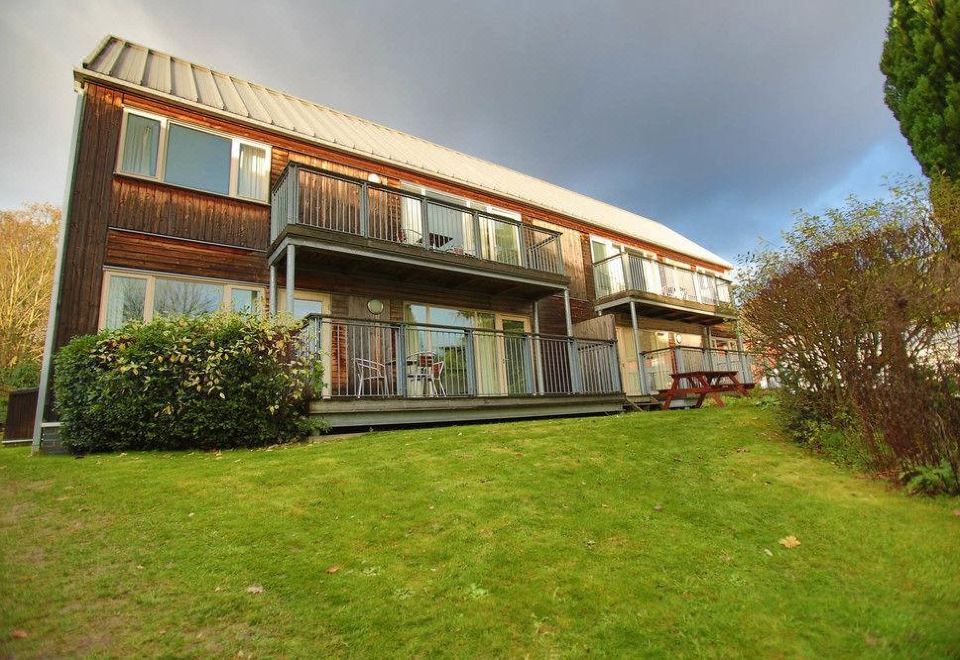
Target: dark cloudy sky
[(717, 118)]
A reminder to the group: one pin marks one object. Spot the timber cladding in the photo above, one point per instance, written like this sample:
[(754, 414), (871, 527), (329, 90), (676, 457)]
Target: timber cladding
[(128, 249)]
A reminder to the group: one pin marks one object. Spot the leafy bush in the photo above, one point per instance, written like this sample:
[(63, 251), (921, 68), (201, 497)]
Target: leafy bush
[(204, 382)]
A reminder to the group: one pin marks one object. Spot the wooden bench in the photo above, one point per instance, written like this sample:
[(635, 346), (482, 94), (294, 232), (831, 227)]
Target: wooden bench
[(702, 384)]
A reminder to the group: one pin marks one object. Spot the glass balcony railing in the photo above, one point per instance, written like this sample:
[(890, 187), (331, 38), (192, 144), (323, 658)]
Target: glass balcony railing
[(631, 272)]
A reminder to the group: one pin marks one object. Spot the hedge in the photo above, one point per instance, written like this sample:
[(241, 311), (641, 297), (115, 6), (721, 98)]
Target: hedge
[(205, 382)]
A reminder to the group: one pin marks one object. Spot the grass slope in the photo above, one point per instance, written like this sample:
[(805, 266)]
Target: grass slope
[(638, 534)]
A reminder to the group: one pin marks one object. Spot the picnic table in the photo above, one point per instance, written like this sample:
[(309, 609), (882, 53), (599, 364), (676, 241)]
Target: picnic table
[(702, 384)]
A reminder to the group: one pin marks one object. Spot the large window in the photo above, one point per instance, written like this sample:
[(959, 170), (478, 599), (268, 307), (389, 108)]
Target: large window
[(160, 148), (133, 295)]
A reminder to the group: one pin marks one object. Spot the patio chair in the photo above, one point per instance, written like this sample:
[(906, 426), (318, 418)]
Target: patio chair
[(436, 384), (370, 371)]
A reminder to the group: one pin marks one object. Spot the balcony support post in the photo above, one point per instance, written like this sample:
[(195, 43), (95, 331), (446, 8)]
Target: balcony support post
[(291, 268), (424, 222), (641, 367), (471, 362), (708, 341), (273, 289), (626, 269), (477, 250), (538, 354), (400, 372), (364, 209), (572, 351)]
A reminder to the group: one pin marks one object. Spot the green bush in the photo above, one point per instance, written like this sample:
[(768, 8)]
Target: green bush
[(204, 382)]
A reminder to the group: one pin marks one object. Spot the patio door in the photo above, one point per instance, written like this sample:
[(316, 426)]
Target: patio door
[(516, 360), (629, 367), (316, 337)]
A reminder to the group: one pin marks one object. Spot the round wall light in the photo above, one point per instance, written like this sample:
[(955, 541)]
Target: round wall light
[(375, 307)]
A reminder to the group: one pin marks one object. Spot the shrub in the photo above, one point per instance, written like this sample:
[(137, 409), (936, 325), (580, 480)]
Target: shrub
[(203, 382)]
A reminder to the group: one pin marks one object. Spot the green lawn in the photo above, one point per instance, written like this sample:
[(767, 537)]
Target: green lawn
[(648, 533)]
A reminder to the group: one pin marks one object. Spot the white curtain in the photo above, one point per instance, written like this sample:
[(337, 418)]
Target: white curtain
[(140, 145), (253, 172)]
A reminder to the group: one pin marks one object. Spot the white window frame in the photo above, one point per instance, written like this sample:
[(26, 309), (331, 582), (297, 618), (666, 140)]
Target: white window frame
[(151, 279), (160, 177)]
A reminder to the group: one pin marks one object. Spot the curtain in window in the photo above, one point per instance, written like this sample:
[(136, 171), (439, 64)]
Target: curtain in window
[(125, 300), (141, 143), (252, 178)]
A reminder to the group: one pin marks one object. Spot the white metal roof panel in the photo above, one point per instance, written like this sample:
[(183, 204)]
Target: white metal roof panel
[(151, 71)]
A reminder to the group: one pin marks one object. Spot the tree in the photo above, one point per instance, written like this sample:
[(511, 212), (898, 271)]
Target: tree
[(28, 239), (921, 61), (860, 309)]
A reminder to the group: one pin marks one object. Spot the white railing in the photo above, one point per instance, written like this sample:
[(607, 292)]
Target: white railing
[(631, 272), (411, 360), (310, 197)]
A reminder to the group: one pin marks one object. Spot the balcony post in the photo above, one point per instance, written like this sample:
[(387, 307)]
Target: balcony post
[(470, 346), (400, 350), (293, 195), (625, 269), (364, 209), (424, 222), (740, 355), (572, 352), (522, 258), (641, 367), (709, 349), (291, 267), (273, 290), (538, 353), (477, 251)]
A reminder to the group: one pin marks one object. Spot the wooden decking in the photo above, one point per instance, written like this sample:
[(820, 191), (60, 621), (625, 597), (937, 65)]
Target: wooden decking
[(368, 412)]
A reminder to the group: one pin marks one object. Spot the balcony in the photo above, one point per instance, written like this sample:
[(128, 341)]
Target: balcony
[(661, 290), (388, 373), (412, 235), (376, 359)]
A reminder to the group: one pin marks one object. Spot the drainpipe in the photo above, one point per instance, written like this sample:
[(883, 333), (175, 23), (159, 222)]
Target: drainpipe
[(291, 268), (54, 313), (273, 289)]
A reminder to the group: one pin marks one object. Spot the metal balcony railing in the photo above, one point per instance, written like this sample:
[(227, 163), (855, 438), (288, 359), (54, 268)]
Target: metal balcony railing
[(314, 198), (626, 271), (411, 360)]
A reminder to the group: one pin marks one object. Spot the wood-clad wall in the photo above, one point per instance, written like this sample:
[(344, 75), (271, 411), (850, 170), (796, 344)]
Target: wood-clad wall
[(118, 220), (86, 237), (156, 208)]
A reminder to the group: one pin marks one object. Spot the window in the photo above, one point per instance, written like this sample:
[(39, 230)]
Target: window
[(198, 159), (160, 148), (125, 300), (172, 297), (141, 146), (128, 296)]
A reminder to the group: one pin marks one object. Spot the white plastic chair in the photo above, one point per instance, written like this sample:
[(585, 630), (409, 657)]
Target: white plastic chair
[(369, 371)]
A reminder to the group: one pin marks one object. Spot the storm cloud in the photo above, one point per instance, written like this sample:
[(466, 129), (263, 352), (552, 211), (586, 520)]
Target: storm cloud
[(718, 119)]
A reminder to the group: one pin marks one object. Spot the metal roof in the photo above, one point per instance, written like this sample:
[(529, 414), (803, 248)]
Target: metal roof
[(155, 73)]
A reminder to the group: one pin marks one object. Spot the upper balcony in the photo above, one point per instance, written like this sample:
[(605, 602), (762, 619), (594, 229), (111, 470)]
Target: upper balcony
[(410, 235), (661, 290)]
